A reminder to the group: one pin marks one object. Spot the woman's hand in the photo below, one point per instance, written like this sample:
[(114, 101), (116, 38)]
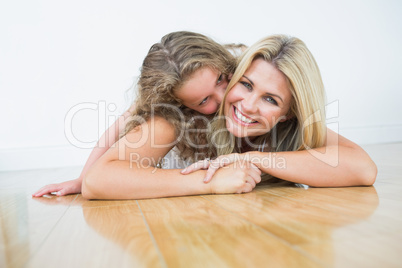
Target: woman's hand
[(64, 188), (238, 177), (214, 165)]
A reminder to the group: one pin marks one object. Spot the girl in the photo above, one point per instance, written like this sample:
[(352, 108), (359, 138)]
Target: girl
[(275, 102), (187, 72)]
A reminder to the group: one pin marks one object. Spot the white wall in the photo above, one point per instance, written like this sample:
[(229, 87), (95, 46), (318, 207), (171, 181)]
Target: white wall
[(55, 55)]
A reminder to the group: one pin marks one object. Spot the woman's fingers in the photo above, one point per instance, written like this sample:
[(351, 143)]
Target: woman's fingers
[(247, 188), (202, 164), (251, 181), (226, 160), (218, 163), (254, 177), (213, 167), (255, 173)]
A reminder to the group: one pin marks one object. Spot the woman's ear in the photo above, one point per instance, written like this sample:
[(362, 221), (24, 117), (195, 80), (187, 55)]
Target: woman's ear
[(286, 117), (289, 115)]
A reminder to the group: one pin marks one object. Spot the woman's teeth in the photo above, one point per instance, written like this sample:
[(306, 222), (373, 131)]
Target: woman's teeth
[(242, 117)]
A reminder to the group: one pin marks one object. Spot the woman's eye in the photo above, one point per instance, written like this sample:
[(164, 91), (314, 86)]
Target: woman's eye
[(271, 100), (247, 85), (204, 101)]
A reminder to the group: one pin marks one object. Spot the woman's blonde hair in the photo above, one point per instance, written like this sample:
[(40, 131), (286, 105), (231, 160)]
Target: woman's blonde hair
[(167, 66), (305, 127)]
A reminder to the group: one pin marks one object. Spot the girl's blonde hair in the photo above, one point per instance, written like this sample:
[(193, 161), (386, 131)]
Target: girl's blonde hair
[(305, 127), (167, 66)]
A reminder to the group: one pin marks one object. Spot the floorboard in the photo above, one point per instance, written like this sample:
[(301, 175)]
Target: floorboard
[(276, 225)]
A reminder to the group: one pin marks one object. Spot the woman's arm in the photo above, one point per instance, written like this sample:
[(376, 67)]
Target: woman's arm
[(108, 138), (128, 170), (339, 163)]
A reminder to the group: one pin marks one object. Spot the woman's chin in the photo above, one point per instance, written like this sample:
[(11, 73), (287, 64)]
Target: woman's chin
[(238, 133), (243, 133)]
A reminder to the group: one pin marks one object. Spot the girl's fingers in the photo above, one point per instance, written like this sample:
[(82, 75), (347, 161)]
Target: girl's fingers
[(44, 188), (67, 190), (61, 192), (47, 190), (41, 192)]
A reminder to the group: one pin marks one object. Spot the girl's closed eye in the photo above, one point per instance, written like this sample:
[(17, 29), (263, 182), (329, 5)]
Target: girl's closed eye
[(220, 79), (204, 101)]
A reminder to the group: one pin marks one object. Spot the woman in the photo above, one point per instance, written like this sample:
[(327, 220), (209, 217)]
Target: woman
[(275, 102), (188, 73)]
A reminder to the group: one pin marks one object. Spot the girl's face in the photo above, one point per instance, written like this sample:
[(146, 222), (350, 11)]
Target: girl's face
[(204, 91), (258, 101)]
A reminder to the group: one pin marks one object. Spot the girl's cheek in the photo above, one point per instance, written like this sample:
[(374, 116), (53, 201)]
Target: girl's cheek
[(235, 94), (225, 85), (213, 108)]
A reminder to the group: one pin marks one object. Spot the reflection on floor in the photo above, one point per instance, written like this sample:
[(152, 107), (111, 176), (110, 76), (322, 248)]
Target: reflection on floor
[(274, 226)]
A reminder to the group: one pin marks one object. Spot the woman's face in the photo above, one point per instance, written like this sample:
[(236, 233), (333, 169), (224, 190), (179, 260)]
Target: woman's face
[(204, 91), (258, 101)]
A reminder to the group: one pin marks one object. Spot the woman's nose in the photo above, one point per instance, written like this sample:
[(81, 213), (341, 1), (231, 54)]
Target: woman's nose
[(249, 104)]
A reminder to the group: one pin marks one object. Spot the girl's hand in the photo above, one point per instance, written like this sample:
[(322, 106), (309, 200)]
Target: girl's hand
[(64, 188), (214, 165), (238, 177)]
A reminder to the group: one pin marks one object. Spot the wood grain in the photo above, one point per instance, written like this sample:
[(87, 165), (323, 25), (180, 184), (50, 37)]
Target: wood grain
[(194, 231), (276, 225)]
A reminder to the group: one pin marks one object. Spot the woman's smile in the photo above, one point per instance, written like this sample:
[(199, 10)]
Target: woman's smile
[(242, 118)]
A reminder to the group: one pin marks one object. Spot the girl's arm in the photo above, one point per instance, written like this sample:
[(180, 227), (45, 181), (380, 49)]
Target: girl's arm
[(128, 170), (108, 138), (339, 163)]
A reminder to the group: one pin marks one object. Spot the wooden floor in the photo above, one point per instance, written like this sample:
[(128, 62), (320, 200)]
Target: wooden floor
[(274, 226)]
